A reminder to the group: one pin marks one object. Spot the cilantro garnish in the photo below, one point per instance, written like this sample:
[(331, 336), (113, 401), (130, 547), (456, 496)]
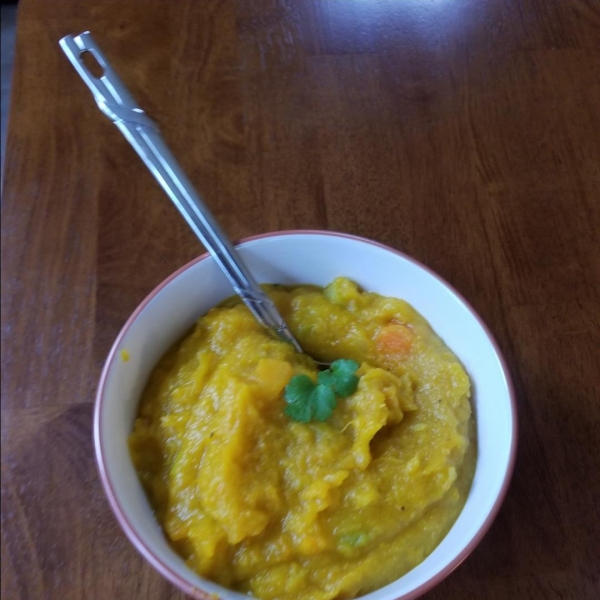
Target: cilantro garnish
[(298, 389), (323, 401), (309, 401), (345, 381)]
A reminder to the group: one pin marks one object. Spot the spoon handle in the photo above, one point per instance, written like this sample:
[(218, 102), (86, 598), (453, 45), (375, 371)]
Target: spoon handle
[(115, 101)]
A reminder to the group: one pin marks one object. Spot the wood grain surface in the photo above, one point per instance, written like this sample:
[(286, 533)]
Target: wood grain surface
[(465, 133)]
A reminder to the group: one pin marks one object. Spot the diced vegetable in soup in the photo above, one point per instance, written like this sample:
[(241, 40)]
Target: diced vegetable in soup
[(319, 510)]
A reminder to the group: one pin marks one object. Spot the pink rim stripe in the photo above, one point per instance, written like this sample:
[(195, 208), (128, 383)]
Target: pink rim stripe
[(163, 568)]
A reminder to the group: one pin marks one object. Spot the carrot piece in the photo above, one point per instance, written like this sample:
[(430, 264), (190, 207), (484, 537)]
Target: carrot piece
[(394, 339)]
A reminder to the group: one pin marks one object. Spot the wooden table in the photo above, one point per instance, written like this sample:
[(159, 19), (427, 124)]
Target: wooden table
[(465, 133)]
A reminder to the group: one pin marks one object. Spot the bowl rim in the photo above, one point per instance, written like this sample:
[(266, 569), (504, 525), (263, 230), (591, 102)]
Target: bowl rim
[(200, 594)]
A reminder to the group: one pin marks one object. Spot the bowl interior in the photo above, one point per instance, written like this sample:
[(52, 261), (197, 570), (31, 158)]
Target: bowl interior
[(293, 258)]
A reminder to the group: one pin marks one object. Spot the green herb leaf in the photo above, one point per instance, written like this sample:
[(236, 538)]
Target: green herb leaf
[(345, 385), (325, 378), (344, 381), (307, 401), (297, 395), (299, 411), (344, 366), (299, 389), (323, 401)]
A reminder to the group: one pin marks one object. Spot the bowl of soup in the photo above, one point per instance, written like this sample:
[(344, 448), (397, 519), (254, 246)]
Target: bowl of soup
[(239, 467)]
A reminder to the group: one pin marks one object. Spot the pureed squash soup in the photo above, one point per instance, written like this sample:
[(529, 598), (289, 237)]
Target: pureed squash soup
[(318, 510)]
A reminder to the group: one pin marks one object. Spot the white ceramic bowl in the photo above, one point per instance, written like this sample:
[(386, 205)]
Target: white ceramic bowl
[(292, 258)]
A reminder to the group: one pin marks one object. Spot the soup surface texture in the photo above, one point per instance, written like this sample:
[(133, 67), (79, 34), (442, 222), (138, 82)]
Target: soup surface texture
[(307, 511)]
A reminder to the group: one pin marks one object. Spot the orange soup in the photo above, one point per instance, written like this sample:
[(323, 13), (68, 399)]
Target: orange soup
[(288, 510)]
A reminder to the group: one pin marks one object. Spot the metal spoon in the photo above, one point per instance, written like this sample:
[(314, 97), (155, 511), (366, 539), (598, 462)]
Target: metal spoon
[(115, 101)]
